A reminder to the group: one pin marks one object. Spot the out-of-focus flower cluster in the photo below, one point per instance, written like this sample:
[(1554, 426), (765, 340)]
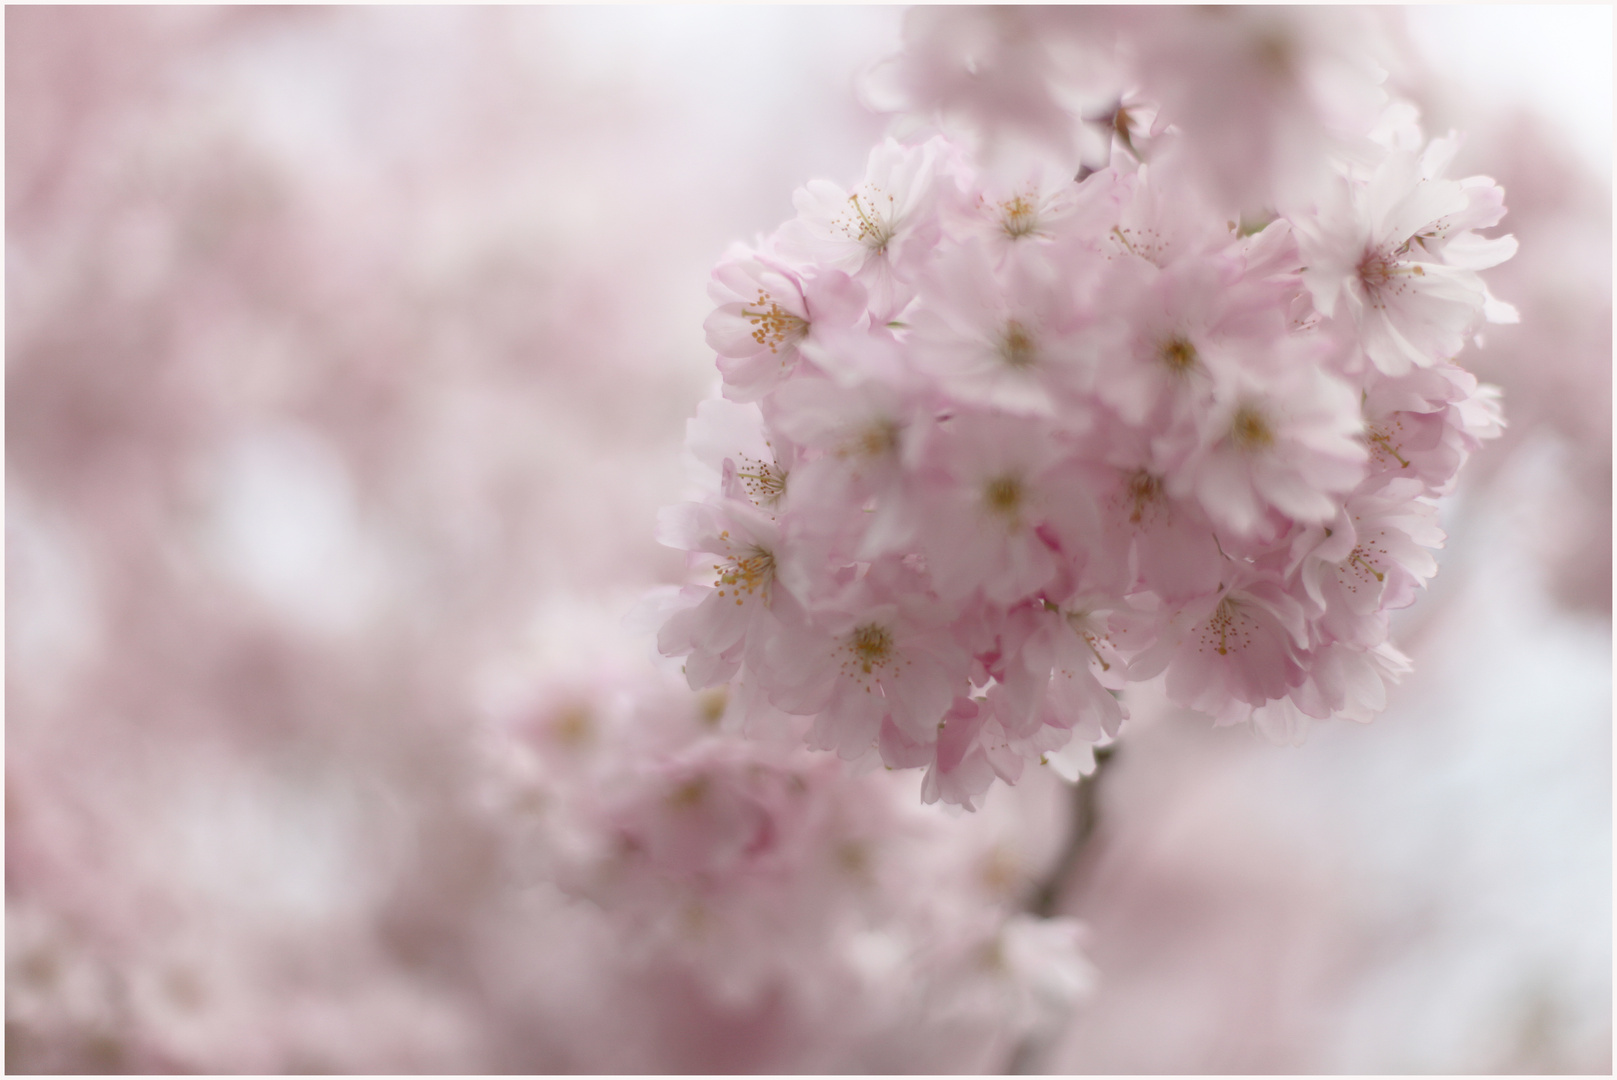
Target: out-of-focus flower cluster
[(848, 926), (1010, 424)]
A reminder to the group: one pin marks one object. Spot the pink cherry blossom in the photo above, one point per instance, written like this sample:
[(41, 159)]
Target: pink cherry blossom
[(1006, 335), (1180, 412), (714, 629), (1399, 252), (1371, 558), (881, 229), (1277, 438), (766, 312), (1232, 651)]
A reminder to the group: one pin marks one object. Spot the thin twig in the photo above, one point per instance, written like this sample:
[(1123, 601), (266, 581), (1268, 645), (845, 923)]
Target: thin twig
[(1045, 900), (1047, 897)]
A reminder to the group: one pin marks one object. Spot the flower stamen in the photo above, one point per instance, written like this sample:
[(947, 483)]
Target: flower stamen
[(1250, 430), (1231, 625), (1358, 558), (773, 325), (1380, 270), (750, 573), (870, 229), (1019, 217), (1003, 495), (1178, 353), (1143, 490), (871, 646), (1016, 346), (877, 440), (1382, 441), (765, 481)]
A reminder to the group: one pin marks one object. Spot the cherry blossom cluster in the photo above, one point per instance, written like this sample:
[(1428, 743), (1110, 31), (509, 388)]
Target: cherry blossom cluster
[(999, 438), (764, 877)]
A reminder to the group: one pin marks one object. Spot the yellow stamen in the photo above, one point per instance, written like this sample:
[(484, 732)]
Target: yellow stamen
[(711, 704), (1016, 346), (1143, 490), (689, 794), (1383, 440), (872, 646), (573, 727), (1250, 430), (1019, 217), (870, 229), (773, 325), (877, 440), (749, 573), (765, 481), (1231, 626), (1358, 558), (1003, 496), (1179, 354)]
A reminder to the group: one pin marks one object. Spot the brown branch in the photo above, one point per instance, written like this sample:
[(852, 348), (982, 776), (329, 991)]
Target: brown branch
[(1045, 900)]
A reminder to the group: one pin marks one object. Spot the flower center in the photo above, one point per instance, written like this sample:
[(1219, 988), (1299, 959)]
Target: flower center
[(877, 440), (1250, 430), (871, 645), (1003, 495), (1230, 626), (1376, 269), (1360, 559), (1179, 354), (746, 574), (690, 794), (1273, 53), (711, 703), (573, 727), (1123, 125), (1019, 217), (867, 225), (1381, 445), (764, 481), (1381, 266), (1143, 490), (1016, 346), (772, 325)]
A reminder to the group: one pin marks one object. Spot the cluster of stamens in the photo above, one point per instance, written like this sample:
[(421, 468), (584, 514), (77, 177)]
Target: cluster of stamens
[(774, 326), (1381, 444), (1146, 244), (876, 440), (1250, 430), (1178, 353), (870, 646), (867, 225), (1019, 217), (1362, 563), (1144, 491), (1380, 272), (1016, 345), (764, 481), (1003, 496), (747, 574), (1230, 625)]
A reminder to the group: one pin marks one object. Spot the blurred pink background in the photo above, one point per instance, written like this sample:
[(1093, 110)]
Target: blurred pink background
[(348, 358)]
